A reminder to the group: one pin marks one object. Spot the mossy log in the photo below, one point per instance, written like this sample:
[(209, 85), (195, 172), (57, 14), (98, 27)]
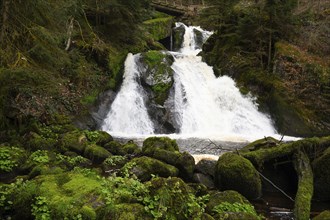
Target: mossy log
[(312, 146), (304, 194)]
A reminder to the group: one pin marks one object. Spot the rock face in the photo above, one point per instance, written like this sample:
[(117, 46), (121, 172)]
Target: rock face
[(322, 176), (178, 37), (237, 173), (157, 79)]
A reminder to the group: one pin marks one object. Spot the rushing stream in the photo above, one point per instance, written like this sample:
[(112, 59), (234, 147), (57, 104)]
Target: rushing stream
[(204, 107)]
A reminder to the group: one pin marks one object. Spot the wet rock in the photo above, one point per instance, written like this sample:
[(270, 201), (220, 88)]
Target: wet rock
[(322, 176), (203, 179), (206, 167), (178, 34)]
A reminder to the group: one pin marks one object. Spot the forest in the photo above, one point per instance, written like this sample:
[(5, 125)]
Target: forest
[(62, 63)]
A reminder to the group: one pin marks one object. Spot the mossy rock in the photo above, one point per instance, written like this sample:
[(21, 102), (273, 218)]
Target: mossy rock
[(38, 142), (174, 199), (323, 215), (145, 167), (122, 149), (99, 137), (237, 216), (159, 28), (164, 143), (178, 37), (128, 211), (166, 150), (234, 172), (73, 141), (96, 153), (229, 196), (321, 173), (158, 75), (266, 142)]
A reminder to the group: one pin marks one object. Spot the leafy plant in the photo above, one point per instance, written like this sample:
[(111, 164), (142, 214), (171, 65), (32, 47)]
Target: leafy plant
[(40, 209), (6, 162), (39, 157), (114, 160)]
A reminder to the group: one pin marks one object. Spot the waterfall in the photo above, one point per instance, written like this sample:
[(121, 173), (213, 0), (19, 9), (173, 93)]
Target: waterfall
[(202, 104), (128, 113)]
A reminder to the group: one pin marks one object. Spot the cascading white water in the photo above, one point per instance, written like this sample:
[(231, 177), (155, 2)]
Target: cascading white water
[(207, 105), (128, 113), (204, 106)]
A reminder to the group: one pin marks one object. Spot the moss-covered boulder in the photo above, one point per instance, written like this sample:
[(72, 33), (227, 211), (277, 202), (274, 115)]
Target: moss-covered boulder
[(172, 198), (167, 150), (96, 153), (39, 142), (145, 167), (164, 143), (73, 141), (99, 137), (323, 215), (122, 149), (321, 173), (266, 142), (234, 172)]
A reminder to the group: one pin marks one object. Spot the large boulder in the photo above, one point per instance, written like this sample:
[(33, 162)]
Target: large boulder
[(234, 172), (178, 35), (167, 150), (74, 141), (157, 79), (99, 137), (322, 176), (145, 167), (96, 153), (117, 148)]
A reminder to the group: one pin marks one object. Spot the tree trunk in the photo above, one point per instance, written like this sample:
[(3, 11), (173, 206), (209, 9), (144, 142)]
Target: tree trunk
[(302, 205), (269, 49), (5, 15)]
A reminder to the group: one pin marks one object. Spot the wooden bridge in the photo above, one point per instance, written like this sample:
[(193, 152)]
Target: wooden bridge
[(178, 7)]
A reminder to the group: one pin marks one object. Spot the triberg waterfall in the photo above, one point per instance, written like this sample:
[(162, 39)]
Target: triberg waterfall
[(200, 104)]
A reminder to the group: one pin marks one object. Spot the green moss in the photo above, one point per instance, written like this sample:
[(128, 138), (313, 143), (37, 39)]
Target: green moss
[(96, 153), (229, 175), (76, 193), (323, 215), (128, 211), (159, 28), (303, 199), (261, 143), (145, 167)]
